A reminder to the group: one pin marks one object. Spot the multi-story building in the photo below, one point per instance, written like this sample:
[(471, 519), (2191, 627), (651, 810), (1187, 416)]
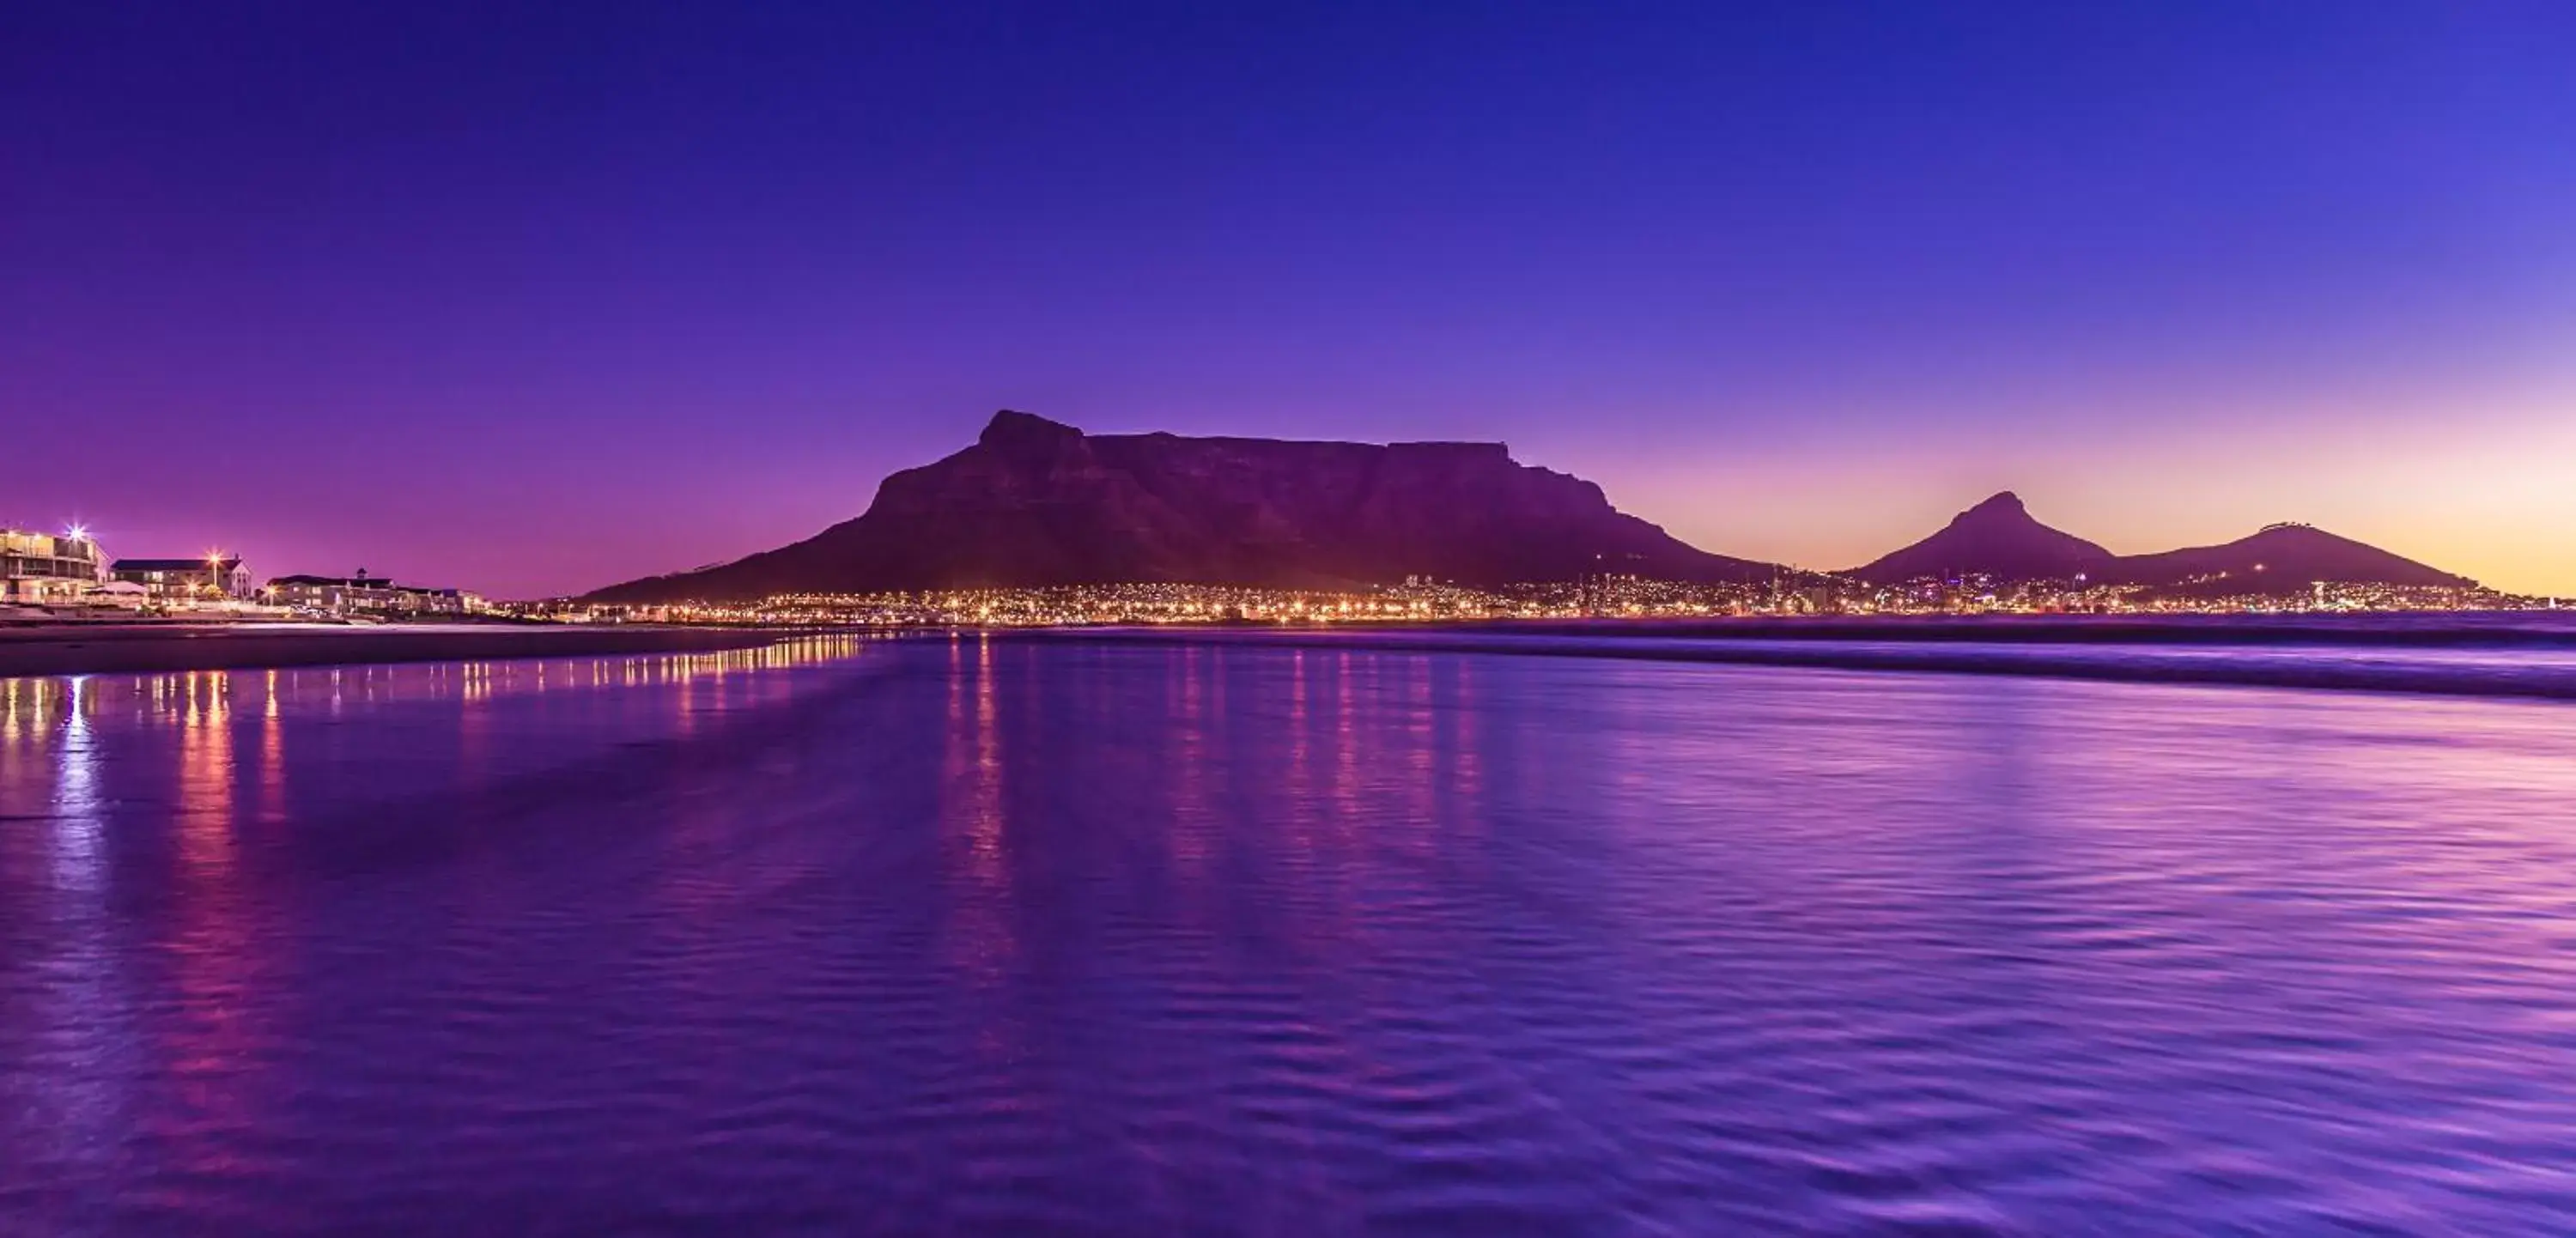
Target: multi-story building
[(337, 594), (368, 595), (47, 567), (441, 601), (212, 578)]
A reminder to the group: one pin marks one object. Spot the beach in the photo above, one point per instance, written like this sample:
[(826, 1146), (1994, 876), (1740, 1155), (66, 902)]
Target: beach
[(96, 648), (2492, 656)]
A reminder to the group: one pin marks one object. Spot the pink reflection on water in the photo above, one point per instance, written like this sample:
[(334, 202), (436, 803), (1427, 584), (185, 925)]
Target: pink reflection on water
[(213, 1036), (975, 830)]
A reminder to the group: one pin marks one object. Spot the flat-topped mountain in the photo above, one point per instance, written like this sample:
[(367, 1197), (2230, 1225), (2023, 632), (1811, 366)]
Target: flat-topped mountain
[(1034, 502), (1998, 537), (2282, 558)]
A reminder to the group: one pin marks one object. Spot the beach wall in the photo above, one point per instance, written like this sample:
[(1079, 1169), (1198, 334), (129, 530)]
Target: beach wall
[(104, 648)]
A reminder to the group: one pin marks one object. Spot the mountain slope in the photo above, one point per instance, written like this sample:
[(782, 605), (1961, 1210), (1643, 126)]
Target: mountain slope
[(2282, 558), (1998, 537), (1034, 502)]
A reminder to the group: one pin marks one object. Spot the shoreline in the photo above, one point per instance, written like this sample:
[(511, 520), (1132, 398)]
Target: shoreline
[(85, 649), (2428, 629), (2032, 660), (2040, 647)]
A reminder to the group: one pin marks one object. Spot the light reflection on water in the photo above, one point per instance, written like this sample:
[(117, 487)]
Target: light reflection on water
[(966, 934)]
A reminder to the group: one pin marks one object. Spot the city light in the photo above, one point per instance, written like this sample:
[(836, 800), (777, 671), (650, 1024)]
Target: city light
[(1598, 598), (84, 579)]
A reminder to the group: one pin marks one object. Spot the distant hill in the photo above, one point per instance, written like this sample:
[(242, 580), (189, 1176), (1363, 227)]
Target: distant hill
[(1034, 502), (1998, 537), (2285, 558)]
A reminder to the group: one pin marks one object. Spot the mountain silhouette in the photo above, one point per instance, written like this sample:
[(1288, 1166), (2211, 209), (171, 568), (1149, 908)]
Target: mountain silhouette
[(2284, 558), (1998, 537), (1034, 502)]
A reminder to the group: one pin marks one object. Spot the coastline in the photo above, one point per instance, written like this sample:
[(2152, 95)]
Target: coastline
[(2438, 655), (85, 649), (2427, 629), (2546, 675)]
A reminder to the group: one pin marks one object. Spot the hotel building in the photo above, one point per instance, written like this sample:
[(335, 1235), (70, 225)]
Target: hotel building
[(43, 568), (364, 594)]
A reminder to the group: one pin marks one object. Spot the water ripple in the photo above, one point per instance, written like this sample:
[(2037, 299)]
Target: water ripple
[(968, 937)]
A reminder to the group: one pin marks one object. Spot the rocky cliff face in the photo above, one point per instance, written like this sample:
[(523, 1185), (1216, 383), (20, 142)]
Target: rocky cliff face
[(1034, 502)]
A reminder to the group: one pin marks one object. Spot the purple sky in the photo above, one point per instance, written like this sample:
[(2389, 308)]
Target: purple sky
[(531, 299)]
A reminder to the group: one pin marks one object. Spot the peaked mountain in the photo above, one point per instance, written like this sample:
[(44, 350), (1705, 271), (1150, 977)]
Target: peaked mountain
[(1035, 502), (1998, 537), (2281, 558)]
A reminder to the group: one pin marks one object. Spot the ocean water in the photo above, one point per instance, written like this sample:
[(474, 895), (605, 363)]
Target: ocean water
[(994, 936)]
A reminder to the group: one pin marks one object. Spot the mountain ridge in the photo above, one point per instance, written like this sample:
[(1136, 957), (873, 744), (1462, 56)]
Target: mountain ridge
[(1034, 502), (2281, 557), (2000, 538)]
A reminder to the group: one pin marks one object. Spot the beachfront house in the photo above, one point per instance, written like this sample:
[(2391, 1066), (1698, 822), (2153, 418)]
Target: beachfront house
[(211, 578)]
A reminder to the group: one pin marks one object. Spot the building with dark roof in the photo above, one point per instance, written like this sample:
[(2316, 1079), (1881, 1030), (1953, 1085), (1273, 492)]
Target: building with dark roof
[(201, 579), (365, 594), (337, 594)]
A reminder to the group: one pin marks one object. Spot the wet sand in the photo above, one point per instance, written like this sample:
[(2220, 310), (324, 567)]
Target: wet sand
[(2535, 665), (2431, 629), (79, 649)]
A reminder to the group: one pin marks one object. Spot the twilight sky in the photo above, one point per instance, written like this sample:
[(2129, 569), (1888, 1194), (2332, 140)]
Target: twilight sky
[(533, 298)]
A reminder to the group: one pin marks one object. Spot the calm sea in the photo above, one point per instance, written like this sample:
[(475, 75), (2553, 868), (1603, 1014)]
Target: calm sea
[(968, 936)]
